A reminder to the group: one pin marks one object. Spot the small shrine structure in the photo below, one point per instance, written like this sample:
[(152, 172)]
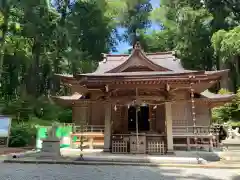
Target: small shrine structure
[(147, 102)]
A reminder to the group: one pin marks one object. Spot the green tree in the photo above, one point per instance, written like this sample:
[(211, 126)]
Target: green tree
[(193, 38), (136, 18), (227, 49)]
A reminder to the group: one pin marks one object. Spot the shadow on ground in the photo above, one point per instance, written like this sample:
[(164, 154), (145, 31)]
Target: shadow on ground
[(109, 172), (190, 174), (208, 156), (237, 177)]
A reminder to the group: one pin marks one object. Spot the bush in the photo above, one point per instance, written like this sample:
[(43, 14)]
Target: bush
[(65, 116), (228, 112), (42, 108), (22, 135), (19, 109)]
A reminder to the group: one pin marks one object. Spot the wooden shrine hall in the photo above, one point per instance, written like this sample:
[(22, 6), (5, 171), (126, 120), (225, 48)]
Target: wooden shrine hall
[(147, 102)]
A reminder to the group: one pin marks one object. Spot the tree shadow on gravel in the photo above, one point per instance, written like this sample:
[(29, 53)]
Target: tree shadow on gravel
[(180, 174), (237, 177)]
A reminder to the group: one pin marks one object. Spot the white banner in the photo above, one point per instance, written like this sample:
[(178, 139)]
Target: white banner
[(5, 125)]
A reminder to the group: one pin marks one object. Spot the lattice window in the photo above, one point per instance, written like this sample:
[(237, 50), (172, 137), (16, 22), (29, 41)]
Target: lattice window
[(156, 147), (119, 146)]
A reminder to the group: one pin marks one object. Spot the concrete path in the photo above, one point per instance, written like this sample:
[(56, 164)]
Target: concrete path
[(186, 157), (93, 172), (97, 157)]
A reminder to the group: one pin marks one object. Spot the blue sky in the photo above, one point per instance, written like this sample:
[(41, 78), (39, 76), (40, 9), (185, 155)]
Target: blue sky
[(123, 46)]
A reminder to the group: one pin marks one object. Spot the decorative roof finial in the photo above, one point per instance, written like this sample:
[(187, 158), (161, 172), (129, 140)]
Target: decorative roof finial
[(104, 57), (137, 45)]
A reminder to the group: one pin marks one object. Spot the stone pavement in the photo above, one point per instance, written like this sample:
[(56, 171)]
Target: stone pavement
[(189, 157), (97, 157), (78, 172)]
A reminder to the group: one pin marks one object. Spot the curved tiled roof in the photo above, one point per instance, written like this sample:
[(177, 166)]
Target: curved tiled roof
[(211, 95), (163, 59), (74, 96), (143, 73)]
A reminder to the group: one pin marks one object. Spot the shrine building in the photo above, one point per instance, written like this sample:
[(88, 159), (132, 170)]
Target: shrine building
[(145, 102)]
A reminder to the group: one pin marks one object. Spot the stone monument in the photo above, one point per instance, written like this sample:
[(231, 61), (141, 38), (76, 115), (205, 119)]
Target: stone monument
[(231, 145), (51, 145)]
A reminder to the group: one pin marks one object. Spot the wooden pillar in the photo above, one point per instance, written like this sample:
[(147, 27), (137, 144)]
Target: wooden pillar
[(107, 128), (168, 113), (211, 144), (150, 118), (188, 143)]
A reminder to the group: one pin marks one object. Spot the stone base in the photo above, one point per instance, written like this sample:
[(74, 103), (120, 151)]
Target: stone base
[(106, 150), (231, 150), (50, 149), (49, 156), (170, 152), (230, 156)]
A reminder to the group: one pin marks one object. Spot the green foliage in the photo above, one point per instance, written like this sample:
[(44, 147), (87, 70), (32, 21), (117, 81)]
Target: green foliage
[(27, 114), (228, 112), (32, 110), (227, 48), (159, 41), (22, 135), (227, 43), (18, 109), (136, 18), (40, 38), (193, 42), (65, 116), (85, 22)]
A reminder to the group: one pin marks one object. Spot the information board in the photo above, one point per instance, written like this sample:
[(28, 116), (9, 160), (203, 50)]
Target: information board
[(5, 125)]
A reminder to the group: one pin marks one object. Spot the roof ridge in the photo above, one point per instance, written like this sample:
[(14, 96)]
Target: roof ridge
[(112, 55), (147, 53), (161, 53), (140, 52)]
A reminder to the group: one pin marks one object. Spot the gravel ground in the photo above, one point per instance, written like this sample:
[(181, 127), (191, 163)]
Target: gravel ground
[(78, 172)]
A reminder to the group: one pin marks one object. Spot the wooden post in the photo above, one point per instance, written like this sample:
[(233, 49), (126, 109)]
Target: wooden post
[(9, 131), (188, 144), (91, 143), (168, 110), (211, 144), (150, 118), (107, 128), (81, 141)]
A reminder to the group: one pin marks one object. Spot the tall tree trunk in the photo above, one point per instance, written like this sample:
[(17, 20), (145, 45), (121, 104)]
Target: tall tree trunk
[(224, 84), (33, 76), (218, 62), (62, 7), (6, 15), (237, 72)]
